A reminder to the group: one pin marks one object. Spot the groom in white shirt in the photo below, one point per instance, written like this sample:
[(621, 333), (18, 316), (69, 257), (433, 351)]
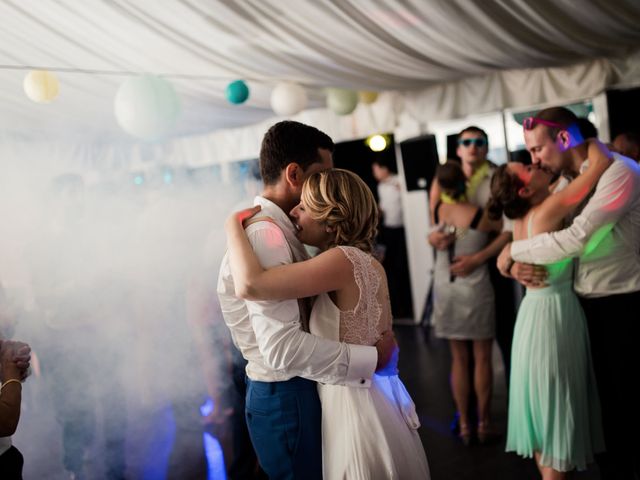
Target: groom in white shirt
[(605, 237), (284, 361)]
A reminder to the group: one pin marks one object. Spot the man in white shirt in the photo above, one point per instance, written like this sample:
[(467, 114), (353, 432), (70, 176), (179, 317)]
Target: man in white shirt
[(284, 360), (392, 236), (605, 237)]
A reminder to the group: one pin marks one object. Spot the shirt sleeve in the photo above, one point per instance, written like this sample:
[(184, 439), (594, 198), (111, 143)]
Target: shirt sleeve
[(507, 224), (282, 342), (611, 200)]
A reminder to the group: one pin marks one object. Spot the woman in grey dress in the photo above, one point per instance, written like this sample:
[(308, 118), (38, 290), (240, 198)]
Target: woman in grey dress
[(464, 306)]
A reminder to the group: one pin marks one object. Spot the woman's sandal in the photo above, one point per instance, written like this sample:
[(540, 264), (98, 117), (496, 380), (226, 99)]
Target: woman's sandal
[(485, 433), (465, 434)]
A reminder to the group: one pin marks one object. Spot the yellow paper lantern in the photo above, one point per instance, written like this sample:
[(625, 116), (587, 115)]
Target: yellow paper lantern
[(367, 97), (41, 86)]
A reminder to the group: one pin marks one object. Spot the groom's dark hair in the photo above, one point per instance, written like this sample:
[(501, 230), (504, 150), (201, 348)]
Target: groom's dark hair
[(290, 142), (560, 115)]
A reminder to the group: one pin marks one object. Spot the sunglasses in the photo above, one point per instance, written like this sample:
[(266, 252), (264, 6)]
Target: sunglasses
[(530, 122), (478, 142)]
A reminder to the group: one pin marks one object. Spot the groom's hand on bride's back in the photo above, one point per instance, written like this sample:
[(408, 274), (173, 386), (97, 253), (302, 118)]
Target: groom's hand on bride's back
[(529, 275), (526, 274), (386, 348)]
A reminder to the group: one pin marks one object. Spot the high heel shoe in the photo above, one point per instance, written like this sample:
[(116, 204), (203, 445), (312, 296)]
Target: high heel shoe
[(485, 433), (465, 434)]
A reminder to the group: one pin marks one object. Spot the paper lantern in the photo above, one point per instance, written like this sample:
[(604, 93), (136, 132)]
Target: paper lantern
[(342, 101), (367, 97), (41, 86), (146, 106), (288, 99), (237, 92)]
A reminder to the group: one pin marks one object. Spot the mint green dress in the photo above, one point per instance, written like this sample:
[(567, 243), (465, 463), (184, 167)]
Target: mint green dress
[(553, 401)]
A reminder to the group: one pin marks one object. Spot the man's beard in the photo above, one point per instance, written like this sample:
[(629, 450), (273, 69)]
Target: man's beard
[(554, 174)]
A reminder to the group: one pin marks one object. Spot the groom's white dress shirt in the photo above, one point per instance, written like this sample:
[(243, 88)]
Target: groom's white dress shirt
[(269, 333), (605, 235)]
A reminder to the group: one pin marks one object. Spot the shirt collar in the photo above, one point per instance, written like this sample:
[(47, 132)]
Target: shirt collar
[(270, 209)]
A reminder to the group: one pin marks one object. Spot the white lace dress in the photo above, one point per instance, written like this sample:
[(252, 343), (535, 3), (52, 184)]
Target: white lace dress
[(367, 433)]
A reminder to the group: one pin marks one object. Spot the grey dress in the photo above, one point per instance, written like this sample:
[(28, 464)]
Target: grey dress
[(463, 308)]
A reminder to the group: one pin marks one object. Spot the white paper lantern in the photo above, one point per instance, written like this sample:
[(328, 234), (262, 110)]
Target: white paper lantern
[(146, 106), (288, 99), (41, 86), (342, 101)]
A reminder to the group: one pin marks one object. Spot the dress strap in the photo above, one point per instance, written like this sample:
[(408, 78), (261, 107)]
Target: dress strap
[(360, 325), (530, 225), (436, 212), (476, 219), (360, 261)]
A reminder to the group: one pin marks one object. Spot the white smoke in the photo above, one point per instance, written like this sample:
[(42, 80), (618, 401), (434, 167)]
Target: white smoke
[(98, 269)]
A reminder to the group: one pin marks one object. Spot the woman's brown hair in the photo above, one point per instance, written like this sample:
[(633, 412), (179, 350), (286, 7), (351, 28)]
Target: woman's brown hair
[(504, 195), (451, 179)]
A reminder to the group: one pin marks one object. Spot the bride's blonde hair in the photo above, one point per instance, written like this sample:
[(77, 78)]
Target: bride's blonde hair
[(342, 201)]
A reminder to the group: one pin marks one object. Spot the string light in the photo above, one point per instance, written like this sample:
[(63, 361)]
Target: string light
[(377, 143)]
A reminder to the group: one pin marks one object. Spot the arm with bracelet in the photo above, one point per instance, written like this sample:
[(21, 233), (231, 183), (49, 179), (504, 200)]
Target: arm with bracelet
[(14, 360)]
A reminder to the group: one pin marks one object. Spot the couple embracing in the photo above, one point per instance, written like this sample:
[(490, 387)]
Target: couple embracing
[(323, 395)]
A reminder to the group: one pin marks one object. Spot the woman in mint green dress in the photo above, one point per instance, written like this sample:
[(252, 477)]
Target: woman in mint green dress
[(554, 411)]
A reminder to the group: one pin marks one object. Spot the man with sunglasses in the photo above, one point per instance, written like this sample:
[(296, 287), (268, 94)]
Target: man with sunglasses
[(473, 147), (605, 238)]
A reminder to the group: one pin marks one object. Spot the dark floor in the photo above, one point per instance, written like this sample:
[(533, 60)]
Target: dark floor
[(424, 368), (153, 432)]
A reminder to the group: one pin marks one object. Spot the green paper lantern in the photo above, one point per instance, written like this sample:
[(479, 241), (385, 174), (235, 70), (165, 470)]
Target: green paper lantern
[(342, 101), (146, 106)]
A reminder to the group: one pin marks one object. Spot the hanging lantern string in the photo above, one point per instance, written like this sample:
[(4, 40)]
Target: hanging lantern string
[(133, 73)]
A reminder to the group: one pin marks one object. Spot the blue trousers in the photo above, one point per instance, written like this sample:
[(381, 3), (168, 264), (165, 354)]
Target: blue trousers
[(284, 420)]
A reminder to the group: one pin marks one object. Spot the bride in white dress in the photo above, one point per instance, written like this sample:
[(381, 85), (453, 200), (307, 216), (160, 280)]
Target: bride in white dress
[(367, 433)]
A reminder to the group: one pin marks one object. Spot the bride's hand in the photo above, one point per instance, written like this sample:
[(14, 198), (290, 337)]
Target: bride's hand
[(597, 151), (238, 218), (388, 350)]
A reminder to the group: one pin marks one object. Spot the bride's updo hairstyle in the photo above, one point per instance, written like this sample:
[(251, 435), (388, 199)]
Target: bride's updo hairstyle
[(504, 195), (344, 203)]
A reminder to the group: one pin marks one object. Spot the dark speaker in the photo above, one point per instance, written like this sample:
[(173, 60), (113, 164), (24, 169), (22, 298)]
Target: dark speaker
[(623, 111), (420, 160), (452, 147), (357, 157)]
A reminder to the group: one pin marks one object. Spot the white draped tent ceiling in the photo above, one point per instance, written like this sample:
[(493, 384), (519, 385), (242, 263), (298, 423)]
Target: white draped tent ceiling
[(436, 58)]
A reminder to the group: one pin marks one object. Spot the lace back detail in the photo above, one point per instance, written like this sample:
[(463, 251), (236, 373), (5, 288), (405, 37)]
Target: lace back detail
[(362, 325)]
